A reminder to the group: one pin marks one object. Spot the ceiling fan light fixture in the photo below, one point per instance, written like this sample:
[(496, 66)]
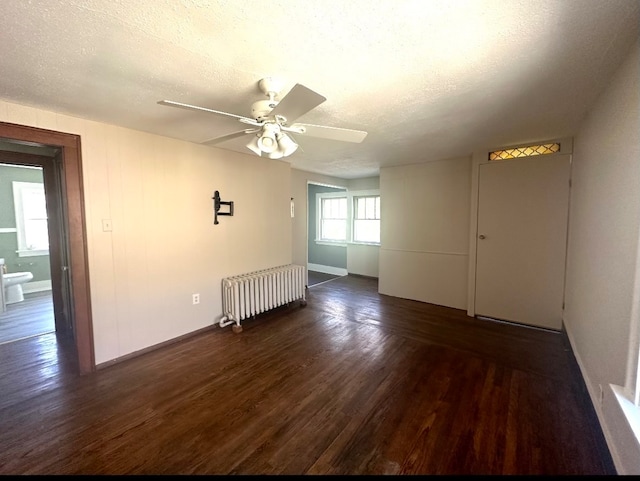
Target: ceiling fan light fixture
[(268, 142), (253, 145), (274, 118), (286, 145), (276, 155)]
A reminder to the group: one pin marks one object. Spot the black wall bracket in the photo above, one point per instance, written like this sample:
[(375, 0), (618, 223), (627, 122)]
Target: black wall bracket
[(217, 203)]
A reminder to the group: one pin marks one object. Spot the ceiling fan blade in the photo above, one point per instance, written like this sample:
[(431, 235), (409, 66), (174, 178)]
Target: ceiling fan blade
[(333, 133), (233, 135), (171, 103), (297, 102)]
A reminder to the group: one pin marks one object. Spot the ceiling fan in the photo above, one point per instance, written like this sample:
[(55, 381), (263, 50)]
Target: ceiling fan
[(273, 121)]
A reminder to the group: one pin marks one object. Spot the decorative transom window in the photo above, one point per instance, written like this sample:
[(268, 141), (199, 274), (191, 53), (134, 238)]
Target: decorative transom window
[(526, 151), (366, 219)]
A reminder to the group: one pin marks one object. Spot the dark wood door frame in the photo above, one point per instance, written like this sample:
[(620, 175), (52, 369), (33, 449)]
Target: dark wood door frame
[(75, 225), (57, 245)]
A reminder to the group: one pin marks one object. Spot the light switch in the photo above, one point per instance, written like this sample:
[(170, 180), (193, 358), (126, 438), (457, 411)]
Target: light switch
[(106, 225)]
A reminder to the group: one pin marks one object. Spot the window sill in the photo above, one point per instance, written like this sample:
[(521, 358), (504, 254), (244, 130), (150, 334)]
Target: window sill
[(331, 243), (33, 253), (630, 410), (345, 243)]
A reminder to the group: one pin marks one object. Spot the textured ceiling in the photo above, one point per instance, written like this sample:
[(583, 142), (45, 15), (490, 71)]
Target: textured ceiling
[(427, 79)]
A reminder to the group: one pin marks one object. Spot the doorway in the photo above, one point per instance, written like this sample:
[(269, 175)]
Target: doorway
[(24, 242), (326, 253), (65, 207), (523, 208)]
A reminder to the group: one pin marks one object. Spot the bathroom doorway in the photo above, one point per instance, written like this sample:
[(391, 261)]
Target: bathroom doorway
[(24, 242), (62, 174)]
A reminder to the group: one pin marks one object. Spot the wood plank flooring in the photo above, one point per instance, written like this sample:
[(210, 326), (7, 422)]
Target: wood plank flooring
[(353, 383), (314, 278), (31, 317)]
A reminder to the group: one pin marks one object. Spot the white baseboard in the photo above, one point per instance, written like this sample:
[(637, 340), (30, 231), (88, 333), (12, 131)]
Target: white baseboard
[(336, 271), (37, 286)]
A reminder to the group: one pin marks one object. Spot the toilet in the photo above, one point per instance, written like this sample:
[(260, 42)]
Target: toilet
[(13, 285)]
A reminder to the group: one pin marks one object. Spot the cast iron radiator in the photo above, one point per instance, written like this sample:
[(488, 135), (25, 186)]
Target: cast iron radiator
[(252, 293)]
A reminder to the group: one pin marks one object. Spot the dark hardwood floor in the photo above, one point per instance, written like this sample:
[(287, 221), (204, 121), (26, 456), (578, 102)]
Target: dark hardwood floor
[(31, 317), (353, 383), (314, 278)]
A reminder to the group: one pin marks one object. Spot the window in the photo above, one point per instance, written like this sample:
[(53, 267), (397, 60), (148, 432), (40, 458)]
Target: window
[(31, 218), (524, 151), (333, 217), (628, 395), (348, 217), (366, 219)]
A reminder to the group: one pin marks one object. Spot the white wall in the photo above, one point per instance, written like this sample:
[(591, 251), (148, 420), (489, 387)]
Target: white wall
[(363, 259), (425, 231), (367, 183), (604, 228), (164, 246)]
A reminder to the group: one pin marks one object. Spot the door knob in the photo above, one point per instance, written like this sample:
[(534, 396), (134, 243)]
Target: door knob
[(481, 236)]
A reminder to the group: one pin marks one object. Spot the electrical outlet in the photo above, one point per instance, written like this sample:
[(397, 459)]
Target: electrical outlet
[(196, 298)]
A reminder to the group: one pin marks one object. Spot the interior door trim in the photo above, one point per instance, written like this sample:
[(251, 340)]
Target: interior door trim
[(75, 224), (481, 157)]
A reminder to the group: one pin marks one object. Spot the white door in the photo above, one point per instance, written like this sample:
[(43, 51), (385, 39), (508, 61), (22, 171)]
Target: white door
[(523, 207)]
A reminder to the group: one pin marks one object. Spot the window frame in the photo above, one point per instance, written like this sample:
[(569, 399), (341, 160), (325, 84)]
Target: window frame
[(320, 196), (354, 196), (351, 197), (628, 395), (19, 190)]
